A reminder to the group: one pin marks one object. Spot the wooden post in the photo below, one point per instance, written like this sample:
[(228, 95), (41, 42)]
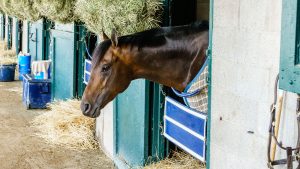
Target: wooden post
[(277, 123)]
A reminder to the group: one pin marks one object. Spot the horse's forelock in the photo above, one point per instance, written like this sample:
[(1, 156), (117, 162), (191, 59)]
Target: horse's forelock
[(100, 51)]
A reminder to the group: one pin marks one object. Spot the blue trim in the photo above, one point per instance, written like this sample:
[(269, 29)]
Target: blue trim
[(196, 124), (187, 139), (182, 106), (184, 136), (183, 94)]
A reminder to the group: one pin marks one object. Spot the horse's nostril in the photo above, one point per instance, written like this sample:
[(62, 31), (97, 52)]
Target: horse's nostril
[(86, 108)]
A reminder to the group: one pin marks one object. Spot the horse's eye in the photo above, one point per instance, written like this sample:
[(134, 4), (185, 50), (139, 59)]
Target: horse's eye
[(105, 68)]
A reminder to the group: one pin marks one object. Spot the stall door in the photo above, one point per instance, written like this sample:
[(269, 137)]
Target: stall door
[(2, 27), (36, 40), (87, 42), (62, 53), (8, 35), (131, 125), (290, 47)]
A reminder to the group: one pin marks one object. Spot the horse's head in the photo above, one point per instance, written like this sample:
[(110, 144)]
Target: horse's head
[(109, 76)]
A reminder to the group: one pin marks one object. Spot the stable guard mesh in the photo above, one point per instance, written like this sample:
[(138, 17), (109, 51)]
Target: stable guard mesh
[(199, 101)]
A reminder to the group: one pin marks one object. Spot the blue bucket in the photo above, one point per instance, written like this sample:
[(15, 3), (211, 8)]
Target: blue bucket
[(24, 65), (7, 73)]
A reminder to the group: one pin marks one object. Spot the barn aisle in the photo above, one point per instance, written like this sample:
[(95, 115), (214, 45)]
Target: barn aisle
[(20, 149)]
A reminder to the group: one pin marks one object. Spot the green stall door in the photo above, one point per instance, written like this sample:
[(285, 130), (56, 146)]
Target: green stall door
[(62, 54), (2, 26), (8, 35), (36, 40), (138, 121), (131, 125), (290, 46)]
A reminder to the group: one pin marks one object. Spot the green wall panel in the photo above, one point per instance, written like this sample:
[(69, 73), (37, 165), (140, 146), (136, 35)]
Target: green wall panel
[(36, 40), (82, 32), (159, 144), (8, 35), (62, 52), (289, 61), (131, 124), (2, 27)]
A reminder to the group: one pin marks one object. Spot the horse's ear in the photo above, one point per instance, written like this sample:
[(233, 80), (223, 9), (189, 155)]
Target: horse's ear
[(104, 36), (114, 38)]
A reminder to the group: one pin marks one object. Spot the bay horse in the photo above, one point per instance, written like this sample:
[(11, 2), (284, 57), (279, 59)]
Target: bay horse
[(171, 56)]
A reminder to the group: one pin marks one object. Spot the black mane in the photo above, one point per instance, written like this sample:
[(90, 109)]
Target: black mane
[(155, 36), (151, 38)]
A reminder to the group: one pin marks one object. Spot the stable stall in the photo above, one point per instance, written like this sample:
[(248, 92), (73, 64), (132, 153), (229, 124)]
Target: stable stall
[(253, 41), (131, 135)]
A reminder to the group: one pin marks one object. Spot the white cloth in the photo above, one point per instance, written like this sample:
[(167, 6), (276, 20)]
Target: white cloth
[(41, 66)]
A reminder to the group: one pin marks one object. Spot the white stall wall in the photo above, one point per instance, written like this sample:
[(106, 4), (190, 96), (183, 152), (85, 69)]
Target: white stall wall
[(246, 53), (14, 33), (104, 129), (25, 36)]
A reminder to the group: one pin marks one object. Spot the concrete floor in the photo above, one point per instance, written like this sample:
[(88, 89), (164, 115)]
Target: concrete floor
[(20, 149)]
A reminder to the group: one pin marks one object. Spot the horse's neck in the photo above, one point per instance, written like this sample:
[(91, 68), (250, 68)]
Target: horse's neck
[(173, 67)]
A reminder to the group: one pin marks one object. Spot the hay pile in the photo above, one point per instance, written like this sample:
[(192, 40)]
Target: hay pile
[(179, 160), (56, 10), (22, 9), (126, 17), (7, 57), (65, 125), (7, 7), (3, 45)]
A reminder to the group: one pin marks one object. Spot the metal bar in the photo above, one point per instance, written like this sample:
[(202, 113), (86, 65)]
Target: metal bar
[(282, 161), (289, 158), (298, 123), (208, 133)]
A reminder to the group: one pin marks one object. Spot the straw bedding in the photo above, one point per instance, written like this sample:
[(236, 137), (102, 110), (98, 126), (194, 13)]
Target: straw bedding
[(3, 45), (7, 56), (179, 160), (65, 125)]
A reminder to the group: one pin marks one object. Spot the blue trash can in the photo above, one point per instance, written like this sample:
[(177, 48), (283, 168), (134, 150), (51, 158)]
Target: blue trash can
[(7, 72), (24, 65)]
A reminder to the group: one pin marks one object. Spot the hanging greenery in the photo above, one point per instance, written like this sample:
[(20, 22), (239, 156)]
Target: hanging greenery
[(6, 6), (22, 9), (56, 10), (126, 17)]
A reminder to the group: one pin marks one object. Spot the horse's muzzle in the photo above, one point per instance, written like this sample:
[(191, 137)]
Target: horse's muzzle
[(88, 110)]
